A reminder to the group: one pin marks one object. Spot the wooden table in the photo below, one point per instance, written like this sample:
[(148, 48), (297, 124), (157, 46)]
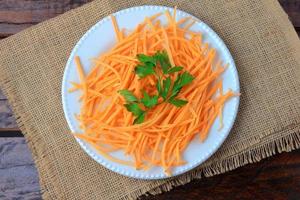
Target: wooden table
[(277, 177)]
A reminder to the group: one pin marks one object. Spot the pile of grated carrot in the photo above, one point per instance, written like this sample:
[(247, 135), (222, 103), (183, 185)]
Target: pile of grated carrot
[(167, 130)]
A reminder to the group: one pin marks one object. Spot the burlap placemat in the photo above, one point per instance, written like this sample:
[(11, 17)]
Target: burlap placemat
[(267, 54)]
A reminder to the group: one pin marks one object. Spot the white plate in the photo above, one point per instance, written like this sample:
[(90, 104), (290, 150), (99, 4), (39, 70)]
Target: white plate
[(99, 39)]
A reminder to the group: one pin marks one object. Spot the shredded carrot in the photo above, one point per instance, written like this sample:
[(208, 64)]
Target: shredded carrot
[(79, 69), (167, 131), (116, 28)]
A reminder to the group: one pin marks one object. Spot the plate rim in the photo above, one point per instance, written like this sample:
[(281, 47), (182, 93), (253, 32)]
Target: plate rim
[(102, 161)]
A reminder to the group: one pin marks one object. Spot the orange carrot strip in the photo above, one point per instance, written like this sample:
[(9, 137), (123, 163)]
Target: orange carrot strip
[(116, 28)]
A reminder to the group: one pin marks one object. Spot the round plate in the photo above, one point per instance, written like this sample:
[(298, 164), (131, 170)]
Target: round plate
[(99, 39)]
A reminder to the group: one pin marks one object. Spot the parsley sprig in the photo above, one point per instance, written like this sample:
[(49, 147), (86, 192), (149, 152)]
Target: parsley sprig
[(166, 88)]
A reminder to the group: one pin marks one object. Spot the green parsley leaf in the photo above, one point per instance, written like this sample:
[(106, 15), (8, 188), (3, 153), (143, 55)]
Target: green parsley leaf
[(186, 78), (175, 69), (144, 70), (166, 88), (146, 59), (181, 81), (176, 88), (178, 102), (163, 59), (129, 96), (140, 119), (178, 79), (149, 101), (134, 108)]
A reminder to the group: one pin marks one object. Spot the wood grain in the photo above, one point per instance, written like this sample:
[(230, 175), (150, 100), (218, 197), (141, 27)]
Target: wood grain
[(7, 119), (18, 175), (292, 8), (2, 97), (16, 15)]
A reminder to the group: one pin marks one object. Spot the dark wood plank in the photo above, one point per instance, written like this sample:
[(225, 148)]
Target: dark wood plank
[(277, 177), (10, 132), (292, 8), (7, 29), (18, 175), (7, 119), (16, 15), (2, 97)]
